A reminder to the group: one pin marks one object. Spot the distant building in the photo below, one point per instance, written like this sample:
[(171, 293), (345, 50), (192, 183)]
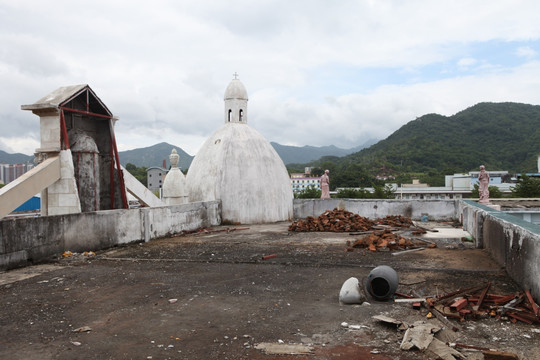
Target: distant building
[(457, 186), (300, 182), (10, 172), (155, 176)]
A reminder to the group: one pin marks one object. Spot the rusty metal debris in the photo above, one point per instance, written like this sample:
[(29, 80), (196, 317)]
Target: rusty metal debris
[(476, 302), (208, 231)]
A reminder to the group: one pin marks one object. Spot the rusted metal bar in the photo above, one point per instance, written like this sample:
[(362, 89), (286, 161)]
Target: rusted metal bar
[(111, 177), (483, 295), (63, 129), (269, 256), (403, 295), (498, 355), (499, 300), (519, 317), (460, 292), (86, 112), (531, 301), (119, 167), (464, 346)]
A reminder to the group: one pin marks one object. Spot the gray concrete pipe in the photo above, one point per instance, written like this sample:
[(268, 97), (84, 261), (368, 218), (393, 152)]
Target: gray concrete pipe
[(382, 282)]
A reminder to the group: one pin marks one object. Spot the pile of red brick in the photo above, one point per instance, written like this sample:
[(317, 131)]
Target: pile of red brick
[(396, 221), (383, 240), (334, 221)]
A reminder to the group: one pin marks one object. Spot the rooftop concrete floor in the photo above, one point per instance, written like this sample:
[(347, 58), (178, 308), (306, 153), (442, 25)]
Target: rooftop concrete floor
[(212, 296)]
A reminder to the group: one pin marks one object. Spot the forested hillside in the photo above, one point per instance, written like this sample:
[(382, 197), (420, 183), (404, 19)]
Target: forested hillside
[(502, 136)]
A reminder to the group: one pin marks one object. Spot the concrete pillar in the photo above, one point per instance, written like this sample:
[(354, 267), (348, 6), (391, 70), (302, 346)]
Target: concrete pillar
[(62, 197)]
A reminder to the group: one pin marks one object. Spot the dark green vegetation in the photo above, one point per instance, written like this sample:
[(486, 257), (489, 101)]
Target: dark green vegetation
[(309, 193), (138, 172), (380, 192), (502, 136), (494, 192), (526, 187)]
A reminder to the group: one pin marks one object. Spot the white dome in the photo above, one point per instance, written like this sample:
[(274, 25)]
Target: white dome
[(239, 167), (236, 90)]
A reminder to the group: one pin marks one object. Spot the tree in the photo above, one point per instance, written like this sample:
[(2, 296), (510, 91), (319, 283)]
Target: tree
[(138, 172), (380, 192), (308, 193), (383, 192), (353, 194), (526, 187), (494, 192)]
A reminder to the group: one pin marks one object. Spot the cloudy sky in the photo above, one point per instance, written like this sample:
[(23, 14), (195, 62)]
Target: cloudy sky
[(317, 72)]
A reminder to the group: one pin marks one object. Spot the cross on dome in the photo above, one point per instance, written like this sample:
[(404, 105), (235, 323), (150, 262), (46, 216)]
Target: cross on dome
[(235, 75)]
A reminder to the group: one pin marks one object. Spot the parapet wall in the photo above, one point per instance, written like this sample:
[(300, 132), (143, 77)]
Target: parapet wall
[(441, 210), (512, 242), (24, 240)]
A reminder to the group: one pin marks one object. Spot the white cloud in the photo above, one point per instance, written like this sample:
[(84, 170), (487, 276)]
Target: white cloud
[(526, 52), (466, 62), (163, 66), (24, 145)]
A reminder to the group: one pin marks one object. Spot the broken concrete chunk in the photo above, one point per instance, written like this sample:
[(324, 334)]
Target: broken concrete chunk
[(351, 293), (419, 336), (443, 351), (284, 349), (387, 319), (401, 325), (83, 329)]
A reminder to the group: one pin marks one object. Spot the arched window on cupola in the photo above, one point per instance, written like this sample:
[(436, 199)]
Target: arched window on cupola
[(230, 114), (241, 115)]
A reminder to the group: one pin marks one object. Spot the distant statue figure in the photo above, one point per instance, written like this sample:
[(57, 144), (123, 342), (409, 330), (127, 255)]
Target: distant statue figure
[(483, 191), (325, 185)]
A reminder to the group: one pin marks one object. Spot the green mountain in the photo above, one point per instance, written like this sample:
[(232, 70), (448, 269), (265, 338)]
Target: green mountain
[(17, 158), (154, 156), (502, 136), (304, 154)]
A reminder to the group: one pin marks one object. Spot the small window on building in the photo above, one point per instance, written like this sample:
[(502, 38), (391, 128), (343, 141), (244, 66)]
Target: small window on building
[(149, 175), (241, 115), (230, 114)]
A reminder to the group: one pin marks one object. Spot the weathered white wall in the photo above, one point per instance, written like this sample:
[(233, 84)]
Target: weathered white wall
[(378, 208), (512, 242), (24, 240)]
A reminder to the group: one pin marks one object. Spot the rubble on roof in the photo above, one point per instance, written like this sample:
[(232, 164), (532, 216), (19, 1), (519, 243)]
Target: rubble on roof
[(379, 234), (477, 302), (335, 221)]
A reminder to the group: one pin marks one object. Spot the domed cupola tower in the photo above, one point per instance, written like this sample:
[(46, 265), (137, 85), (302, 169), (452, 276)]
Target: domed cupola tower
[(236, 102), (239, 167)]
